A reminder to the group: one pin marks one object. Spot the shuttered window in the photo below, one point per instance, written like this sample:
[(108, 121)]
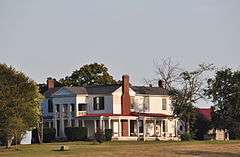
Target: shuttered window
[(164, 104), (98, 103)]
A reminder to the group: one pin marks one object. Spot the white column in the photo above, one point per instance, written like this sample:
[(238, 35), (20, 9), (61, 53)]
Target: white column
[(95, 126), (55, 125), (160, 127), (144, 130), (76, 122), (137, 128), (83, 123), (109, 123), (119, 127), (129, 127), (101, 123), (155, 122)]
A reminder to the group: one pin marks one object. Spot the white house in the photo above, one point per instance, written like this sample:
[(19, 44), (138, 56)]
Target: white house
[(132, 112)]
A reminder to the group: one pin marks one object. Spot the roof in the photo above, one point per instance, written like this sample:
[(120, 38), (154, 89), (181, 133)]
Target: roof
[(132, 114), (49, 92), (150, 114), (108, 89), (206, 113), (150, 90)]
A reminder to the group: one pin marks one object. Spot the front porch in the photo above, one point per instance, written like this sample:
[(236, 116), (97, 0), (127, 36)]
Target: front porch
[(132, 127)]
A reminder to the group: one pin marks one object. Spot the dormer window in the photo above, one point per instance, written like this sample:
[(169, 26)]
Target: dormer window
[(164, 104), (98, 103)]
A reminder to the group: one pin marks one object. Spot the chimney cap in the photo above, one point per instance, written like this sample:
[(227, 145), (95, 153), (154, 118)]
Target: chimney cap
[(161, 83)]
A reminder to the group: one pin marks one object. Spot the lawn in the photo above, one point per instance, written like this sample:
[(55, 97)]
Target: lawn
[(124, 149)]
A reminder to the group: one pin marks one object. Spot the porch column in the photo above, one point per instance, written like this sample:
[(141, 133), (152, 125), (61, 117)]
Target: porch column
[(83, 123), (155, 122), (55, 126), (160, 127), (101, 123), (119, 127), (129, 127), (144, 130), (76, 122), (109, 123), (95, 126), (137, 128)]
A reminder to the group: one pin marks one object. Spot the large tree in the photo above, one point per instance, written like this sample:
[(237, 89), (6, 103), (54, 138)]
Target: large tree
[(19, 104), (89, 74), (186, 87), (224, 90)]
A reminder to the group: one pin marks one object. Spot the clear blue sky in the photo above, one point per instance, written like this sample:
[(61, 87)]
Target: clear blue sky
[(53, 37)]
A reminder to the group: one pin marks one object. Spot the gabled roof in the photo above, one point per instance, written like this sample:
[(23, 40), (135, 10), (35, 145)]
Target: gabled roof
[(109, 89), (99, 89), (150, 90)]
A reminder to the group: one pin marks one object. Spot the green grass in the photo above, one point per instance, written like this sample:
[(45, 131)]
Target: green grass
[(124, 149)]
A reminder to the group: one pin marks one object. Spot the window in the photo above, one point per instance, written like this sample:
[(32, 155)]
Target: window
[(57, 107), (165, 127), (164, 104), (82, 107), (50, 105), (65, 123), (72, 107), (132, 102), (73, 122), (98, 103), (65, 107)]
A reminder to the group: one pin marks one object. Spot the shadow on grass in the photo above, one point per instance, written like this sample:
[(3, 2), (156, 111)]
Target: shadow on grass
[(207, 153)]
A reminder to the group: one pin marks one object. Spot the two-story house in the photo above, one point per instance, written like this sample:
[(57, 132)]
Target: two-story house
[(132, 112)]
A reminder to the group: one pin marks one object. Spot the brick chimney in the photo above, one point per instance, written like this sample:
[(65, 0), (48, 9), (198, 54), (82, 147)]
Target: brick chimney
[(125, 99), (161, 84), (50, 83)]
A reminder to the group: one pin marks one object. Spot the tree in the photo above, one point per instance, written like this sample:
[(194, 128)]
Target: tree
[(89, 74), (185, 88), (224, 90), (201, 126), (188, 92), (19, 104), (168, 72)]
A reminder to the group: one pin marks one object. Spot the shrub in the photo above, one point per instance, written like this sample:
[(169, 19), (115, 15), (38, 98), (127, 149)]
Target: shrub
[(186, 136), (76, 133), (2, 140), (99, 136), (49, 134), (108, 134)]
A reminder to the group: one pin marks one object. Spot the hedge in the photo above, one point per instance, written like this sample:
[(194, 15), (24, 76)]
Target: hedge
[(49, 134), (76, 133)]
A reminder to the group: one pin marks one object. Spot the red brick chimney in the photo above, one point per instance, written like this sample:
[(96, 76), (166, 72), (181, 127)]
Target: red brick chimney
[(161, 84), (50, 83), (125, 99)]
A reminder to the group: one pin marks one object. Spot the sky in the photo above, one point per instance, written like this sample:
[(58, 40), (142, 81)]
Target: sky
[(51, 38)]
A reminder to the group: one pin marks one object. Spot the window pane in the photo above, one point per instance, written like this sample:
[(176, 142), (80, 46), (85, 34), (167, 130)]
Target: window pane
[(72, 107), (164, 104), (50, 105), (57, 108)]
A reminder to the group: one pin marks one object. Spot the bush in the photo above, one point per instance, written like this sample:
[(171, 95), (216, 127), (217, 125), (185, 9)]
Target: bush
[(49, 134), (99, 136), (186, 136), (2, 140), (108, 134), (76, 133)]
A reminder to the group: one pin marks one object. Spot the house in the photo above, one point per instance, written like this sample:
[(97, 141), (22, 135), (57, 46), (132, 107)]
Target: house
[(132, 112), (215, 134)]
